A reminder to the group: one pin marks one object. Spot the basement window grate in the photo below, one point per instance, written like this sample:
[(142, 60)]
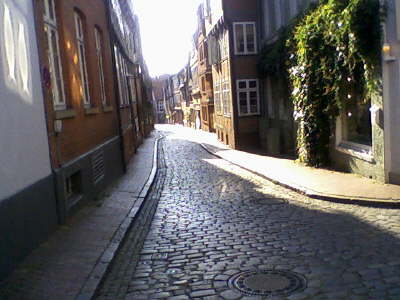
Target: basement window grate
[(98, 166)]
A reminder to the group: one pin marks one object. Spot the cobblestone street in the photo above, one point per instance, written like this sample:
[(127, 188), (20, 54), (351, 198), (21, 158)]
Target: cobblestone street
[(215, 219)]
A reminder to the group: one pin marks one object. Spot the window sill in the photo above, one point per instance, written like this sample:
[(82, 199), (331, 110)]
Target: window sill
[(249, 115), (359, 151), (92, 111), (65, 114), (246, 54), (108, 108)]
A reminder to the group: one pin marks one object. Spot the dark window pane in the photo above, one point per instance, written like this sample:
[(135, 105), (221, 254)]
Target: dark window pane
[(239, 38), (242, 85), (250, 38), (253, 102), (243, 102), (358, 121), (252, 84)]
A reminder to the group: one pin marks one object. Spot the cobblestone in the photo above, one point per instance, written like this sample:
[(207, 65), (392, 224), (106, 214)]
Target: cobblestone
[(215, 219)]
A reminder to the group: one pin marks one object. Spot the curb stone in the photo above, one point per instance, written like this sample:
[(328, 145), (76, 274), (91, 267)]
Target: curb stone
[(315, 195), (92, 283)]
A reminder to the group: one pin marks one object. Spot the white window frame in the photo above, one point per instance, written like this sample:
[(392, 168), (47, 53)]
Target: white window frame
[(50, 26), (79, 31), (247, 90), (226, 97), (99, 52), (217, 100), (244, 24)]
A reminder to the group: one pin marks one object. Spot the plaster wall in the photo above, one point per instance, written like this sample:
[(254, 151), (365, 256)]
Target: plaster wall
[(24, 152), (391, 93)]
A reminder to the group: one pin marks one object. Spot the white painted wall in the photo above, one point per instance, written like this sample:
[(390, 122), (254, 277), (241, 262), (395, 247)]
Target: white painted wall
[(24, 154), (391, 81)]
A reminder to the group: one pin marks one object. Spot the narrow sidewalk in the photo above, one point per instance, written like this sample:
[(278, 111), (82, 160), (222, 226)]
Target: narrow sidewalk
[(72, 262), (316, 183)]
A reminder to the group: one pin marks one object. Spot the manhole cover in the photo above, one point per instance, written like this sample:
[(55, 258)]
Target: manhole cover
[(268, 283)]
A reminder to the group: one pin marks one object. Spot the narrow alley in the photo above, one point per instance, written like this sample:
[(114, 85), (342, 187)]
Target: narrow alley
[(215, 220), (199, 150)]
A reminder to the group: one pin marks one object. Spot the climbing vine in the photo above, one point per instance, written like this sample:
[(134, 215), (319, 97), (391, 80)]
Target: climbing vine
[(331, 57)]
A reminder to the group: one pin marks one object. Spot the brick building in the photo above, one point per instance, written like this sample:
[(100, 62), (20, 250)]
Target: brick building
[(231, 29), (78, 81), (204, 74), (126, 55)]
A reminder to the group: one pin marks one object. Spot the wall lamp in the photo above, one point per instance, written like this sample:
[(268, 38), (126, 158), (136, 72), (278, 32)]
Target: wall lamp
[(387, 53)]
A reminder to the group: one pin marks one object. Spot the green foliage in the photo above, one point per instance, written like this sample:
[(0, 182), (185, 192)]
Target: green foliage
[(332, 58)]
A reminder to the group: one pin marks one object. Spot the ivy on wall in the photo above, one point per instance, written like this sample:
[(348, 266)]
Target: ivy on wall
[(330, 57)]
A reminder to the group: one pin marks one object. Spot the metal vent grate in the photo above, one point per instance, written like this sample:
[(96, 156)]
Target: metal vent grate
[(98, 166)]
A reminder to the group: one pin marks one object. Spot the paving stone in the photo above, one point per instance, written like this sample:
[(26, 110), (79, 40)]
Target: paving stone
[(203, 293), (212, 228)]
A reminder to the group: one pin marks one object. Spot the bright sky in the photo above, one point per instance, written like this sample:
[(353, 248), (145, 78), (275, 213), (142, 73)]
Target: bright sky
[(167, 27)]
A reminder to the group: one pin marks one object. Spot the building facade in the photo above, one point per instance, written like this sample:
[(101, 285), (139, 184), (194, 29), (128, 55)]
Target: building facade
[(28, 205), (158, 100), (126, 56), (205, 81), (232, 31), (78, 84), (391, 92), (364, 140)]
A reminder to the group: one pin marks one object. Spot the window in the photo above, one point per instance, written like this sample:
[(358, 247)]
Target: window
[(217, 95), (99, 54), (122, 78), (204, 113), (82, 59), (226, 90), (245, 38), (248, 97), (53, 54), (160, 106), (223, 45), (357, 123), (73, 186)]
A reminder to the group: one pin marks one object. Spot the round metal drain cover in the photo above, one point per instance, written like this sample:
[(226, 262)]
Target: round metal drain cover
[(268, 283)]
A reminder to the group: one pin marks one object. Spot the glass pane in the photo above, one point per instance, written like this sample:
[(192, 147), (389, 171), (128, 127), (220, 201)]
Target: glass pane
[(239, 38), (252, 84), (358, 119), (250, 38), (243, 102), (253, 102), (242, 84), (57, 76)]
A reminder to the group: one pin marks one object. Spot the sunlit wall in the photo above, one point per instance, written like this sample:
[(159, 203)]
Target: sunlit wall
[(24, 155)]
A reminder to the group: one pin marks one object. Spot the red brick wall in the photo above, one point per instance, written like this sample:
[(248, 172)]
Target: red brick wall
[(83, 132)]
